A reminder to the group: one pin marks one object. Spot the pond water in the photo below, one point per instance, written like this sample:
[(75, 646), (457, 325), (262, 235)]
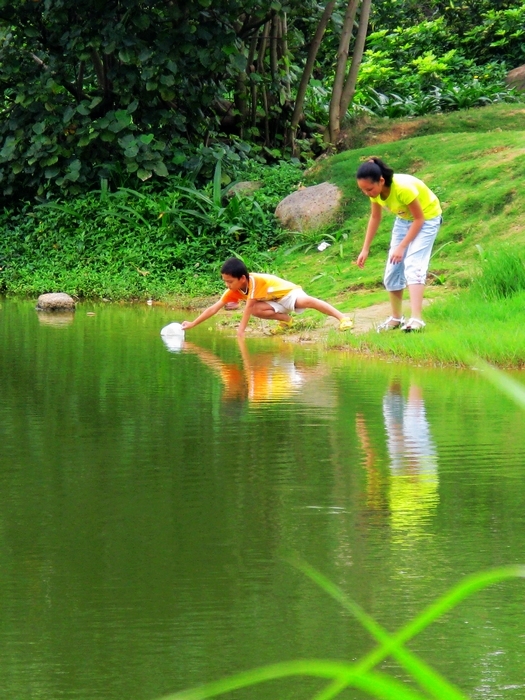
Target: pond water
[(150, 502)]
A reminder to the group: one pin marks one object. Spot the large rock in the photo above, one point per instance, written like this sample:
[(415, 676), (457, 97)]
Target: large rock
[(56, 301), (309, 207), (516, 78)]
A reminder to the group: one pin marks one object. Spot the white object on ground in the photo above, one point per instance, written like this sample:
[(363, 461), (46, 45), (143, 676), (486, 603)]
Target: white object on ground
[(323, 245)]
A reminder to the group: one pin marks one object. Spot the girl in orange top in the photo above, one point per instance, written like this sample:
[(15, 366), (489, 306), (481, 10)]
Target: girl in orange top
[(266, 296)]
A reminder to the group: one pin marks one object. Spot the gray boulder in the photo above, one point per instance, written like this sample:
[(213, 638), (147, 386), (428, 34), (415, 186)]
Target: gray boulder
[(55, 301), (516, 78), (310, 207)]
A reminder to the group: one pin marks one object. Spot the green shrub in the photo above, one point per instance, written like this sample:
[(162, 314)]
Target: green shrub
[(139, 243)]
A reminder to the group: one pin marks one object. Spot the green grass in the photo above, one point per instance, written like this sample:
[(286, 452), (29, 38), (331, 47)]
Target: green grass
[(458, 327), (367, 131), (475, 161)]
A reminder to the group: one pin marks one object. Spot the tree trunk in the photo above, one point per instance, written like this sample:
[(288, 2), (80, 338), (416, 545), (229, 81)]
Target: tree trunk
[(307, 72), (263, 44), (274, 61), (349, 88), (251, 68), (262, 48), (342, 58), (286, 62)]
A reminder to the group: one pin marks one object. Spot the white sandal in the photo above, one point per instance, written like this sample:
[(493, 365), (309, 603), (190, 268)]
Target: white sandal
[(413, 324), (390, 324)]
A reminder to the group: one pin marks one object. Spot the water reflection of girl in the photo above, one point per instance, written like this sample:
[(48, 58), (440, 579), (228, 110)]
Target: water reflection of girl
[(261, 378), (413, 495)]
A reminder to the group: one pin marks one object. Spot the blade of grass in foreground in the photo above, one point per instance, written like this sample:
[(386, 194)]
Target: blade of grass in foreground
[(471, 584), (358, 675), (430, 680), (376, 684), (513, 389)]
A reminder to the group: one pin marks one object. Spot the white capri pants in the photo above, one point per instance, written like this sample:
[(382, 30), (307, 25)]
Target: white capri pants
[(414, 266)]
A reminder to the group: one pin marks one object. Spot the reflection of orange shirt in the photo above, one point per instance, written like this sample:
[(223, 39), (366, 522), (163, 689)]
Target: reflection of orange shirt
[(262, 288), (263, 383), (234, 380)]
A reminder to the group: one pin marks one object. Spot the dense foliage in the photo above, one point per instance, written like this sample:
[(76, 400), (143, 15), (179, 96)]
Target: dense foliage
[(129, 90), (151, 242), (455, 56)]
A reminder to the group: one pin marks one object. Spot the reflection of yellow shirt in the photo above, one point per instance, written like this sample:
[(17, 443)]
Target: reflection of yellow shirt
[(414, 499), (414, 483), (261, 287), (403, 191)]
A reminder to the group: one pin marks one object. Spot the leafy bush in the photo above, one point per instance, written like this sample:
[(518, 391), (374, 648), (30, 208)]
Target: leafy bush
[(415, 70), (136, 243)]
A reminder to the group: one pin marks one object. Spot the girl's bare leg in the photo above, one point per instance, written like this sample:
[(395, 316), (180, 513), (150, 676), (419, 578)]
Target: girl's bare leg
[(396, 302), (416, 292), (319, 305)]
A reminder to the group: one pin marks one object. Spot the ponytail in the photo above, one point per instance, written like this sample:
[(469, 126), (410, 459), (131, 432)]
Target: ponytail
[(374, 169)]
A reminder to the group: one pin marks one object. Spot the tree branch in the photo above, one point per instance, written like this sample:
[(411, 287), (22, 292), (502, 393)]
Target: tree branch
[(249, 28), (72, 89)]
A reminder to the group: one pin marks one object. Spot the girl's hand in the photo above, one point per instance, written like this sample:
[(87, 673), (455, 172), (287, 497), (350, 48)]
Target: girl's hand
[(398, 254), (361, 258), (186, 324)]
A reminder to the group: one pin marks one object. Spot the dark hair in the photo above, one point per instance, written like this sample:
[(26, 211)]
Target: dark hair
[(235, 268), (374, 169)]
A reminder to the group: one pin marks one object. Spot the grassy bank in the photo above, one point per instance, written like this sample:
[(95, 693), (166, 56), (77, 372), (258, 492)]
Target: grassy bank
[(168, 244), (476, 272)]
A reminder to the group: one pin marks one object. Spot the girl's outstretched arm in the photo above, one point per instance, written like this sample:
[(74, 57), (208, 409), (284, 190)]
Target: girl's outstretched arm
[(371, 230), (207, 313)]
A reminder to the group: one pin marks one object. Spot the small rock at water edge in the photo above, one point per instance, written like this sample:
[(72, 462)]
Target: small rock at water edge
[(55, 301)]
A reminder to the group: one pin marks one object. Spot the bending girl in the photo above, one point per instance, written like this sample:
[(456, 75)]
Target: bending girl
[(418, 218)]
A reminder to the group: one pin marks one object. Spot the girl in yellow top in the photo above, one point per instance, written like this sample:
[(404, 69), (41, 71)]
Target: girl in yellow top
[(418, 218)]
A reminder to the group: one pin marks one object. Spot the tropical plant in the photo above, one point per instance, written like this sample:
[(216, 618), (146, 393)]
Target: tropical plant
[(136, 242), (123, 90)]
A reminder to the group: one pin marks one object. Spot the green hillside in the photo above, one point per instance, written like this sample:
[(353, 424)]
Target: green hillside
[(477, 176)]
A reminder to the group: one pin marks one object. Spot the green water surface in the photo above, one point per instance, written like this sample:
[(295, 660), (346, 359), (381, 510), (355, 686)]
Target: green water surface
[(149, 500)]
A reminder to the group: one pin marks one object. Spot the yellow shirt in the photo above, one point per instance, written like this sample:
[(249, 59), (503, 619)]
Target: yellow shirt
[(403, 191), (262, 288)]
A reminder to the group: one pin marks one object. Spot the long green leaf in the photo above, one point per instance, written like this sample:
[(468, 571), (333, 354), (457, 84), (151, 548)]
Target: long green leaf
[(376, 684), (194, 194), (513, 389), (217, 176), (127, 213), (471, 584), (430, 680), (58, 207)]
